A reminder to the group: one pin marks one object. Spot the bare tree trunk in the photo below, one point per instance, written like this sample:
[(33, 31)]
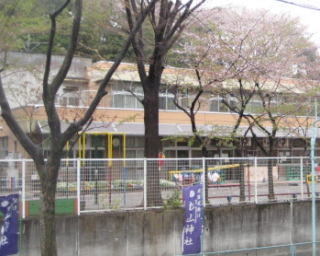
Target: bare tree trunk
[(271, 195), (239, 152), (47, 216), (47, 224), (242, 183), (152, 145), (206, 187)]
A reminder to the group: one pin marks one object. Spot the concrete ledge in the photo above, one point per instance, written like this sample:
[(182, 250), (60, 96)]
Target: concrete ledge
[(158, 232)]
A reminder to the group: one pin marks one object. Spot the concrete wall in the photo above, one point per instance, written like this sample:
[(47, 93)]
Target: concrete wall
[(158, 232)]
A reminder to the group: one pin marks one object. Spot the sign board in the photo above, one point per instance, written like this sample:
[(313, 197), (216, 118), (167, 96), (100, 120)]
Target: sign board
[(193, 219), (9, 233)]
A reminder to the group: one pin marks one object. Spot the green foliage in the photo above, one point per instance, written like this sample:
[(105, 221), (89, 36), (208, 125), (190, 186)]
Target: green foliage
[(174, 201), (18, 18), (25, 27)]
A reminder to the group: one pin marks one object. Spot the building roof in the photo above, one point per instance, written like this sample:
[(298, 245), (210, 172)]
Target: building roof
[(36, 62), (128, 72), (187, 77)]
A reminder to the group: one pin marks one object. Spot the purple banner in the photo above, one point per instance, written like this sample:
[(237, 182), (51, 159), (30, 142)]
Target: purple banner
[(193, 219), (9, 234)]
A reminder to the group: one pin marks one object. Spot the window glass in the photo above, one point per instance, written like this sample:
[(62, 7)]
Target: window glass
[(98, 141), (162, 102), (185, 102), (170, 104), (170, 154), (139, 105), (139, 142), (140, 154), (234, 103), (223, 107), (196, 153), (130, 101), (254, 106), (130, 141), (214, 105), (118, 101), (131, 154)]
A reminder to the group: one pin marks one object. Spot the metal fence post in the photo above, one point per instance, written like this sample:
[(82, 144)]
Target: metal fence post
[(78, 186), (301, 178), (145, 184), (255, 180), (23, 196), (204, 181)]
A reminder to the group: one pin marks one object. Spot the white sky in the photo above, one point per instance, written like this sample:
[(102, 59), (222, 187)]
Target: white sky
[(309, 18)]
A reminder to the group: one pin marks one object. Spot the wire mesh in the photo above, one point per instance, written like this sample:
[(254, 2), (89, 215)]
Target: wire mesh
[(176, 174), (32, 181), (106, 184), (283, 179), (111, 184), (10, 177), (67, 179), (229, 180)]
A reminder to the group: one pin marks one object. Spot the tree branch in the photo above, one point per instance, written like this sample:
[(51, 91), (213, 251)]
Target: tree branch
[(63, 71), (53, 17), (137, 47), (76, 126), (32, 149)]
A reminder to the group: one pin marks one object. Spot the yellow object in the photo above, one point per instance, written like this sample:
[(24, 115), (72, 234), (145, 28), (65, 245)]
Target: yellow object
[(309, 178), (109, 146), (218, 167)]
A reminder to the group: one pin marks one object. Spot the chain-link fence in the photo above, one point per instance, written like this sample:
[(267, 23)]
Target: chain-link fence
[(90, 185)]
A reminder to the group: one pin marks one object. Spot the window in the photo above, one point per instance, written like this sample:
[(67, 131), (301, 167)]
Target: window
[(170, 103), (214, 105), (298, 143), (135, 142), (98, 141), (70, 97), (3, 146), (254, 106), (166, 101), (233, 102), (123, 98), (126, 100), (135, 149), (217, 105), (185, 102)]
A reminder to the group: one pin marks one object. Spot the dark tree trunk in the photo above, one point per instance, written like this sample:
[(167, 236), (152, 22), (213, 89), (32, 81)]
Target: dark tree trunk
[(270, 180), (47, 216), (239, 152), (242, 183), (151, 122), (271, 194), (47, 223), (152, 143), (204, 152)]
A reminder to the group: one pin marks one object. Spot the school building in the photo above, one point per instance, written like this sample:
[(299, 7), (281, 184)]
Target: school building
[(117, 129)]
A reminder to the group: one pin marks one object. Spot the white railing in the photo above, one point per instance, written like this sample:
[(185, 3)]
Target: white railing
[(92, 185)]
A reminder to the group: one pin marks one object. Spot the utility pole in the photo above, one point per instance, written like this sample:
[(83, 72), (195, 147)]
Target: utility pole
[(313, 178)]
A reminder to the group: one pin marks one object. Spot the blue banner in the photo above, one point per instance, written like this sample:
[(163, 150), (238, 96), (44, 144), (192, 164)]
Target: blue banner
[(193, 219), (9, 234)]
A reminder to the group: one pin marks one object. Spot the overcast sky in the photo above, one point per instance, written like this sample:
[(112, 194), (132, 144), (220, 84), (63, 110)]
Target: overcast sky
[(310, 18)]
